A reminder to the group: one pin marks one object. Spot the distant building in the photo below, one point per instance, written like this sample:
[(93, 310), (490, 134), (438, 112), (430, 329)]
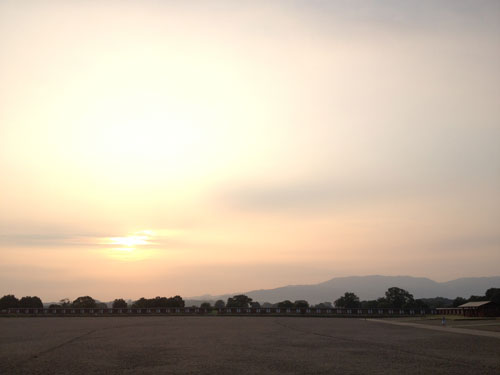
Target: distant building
[(480, 308)]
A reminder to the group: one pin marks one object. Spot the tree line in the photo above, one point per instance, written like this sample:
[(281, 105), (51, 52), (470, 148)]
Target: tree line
[(394, 298), (10, 301)]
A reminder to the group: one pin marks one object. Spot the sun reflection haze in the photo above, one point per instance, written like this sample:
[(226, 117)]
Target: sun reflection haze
[(132, 248)]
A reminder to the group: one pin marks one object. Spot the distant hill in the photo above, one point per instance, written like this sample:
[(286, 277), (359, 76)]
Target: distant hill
[(366, 287)]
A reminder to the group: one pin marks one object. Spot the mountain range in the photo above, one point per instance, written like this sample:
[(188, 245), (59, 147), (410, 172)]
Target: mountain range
[(366, 288)]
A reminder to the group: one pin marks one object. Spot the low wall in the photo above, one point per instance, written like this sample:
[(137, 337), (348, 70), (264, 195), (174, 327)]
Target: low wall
[(222, 311)]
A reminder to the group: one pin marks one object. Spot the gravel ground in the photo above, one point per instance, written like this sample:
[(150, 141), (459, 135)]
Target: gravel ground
[(492, 324), (236, 345), (483, 327)]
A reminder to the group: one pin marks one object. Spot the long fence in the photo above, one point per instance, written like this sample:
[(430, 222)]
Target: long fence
[(227, 311)]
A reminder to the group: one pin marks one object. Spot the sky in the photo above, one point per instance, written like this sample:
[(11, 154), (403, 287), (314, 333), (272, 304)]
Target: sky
[(206, 147)]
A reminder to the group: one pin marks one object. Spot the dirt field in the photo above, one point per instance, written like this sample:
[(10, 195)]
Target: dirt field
[(491, 324), (237, 345)]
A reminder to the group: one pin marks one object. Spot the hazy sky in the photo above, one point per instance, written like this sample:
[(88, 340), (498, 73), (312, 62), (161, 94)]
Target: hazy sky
[(189, 147)]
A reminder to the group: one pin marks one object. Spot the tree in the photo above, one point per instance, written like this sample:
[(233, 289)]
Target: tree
[(399, 298), (65, 302), (348, 300), (459, 301), (85, 302), (119, 303), (255, 305), (141, 303), (324, 305), (219, 304), (240, 300), (435, 302), (287, 304), (206, 305), (33, 302), (158, 302), (371, 304), (476, 298), (176, 301), (383, 303), (301, 303), (421, 304), (8, 301), (493, 295)]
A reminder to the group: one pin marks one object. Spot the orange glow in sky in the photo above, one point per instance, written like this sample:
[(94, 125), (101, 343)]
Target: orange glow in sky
[(160, 148)]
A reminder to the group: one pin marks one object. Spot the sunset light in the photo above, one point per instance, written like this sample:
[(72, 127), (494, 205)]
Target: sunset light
[(134, 247), (130, 241), (252, 144), (167, 166)]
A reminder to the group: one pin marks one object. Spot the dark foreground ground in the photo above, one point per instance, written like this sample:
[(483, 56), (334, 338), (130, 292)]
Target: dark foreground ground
[(485, 324), (237, 345)]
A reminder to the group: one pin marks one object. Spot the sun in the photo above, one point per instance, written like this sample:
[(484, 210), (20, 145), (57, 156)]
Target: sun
[(130, 248), (129, 241)]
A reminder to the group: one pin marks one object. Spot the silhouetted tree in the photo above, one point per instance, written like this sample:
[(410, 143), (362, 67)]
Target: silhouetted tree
[(255, 305), (433, 303), (383, 303), (423, 304), (323, 305), (206, 305), (240, 300), (140, 303), (476, 298), (33, 302), (287, 304), (493, 294), (84, 302), (399, 298), (119, 303), (267, 305), (159, 302), (65, 302), (176, 301), (220, 304), (156, 302), (301, 303), (8, 301), (459, 301), (371, 304), (348, 300)]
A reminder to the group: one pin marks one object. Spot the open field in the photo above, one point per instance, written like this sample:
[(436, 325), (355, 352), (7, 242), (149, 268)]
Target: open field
[(453, 321), (484, 324), (237, 345)]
